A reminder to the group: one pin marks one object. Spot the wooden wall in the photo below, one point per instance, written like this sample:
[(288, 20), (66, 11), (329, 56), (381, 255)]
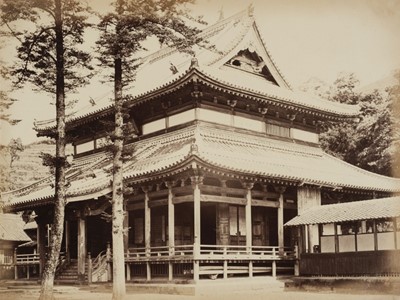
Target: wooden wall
[(351, 263)]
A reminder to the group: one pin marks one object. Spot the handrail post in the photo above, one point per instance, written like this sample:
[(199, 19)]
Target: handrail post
[(90, 268), (108, 256), (296, 262)]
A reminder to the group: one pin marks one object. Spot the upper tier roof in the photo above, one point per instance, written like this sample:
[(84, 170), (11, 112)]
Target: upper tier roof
[(215, 149), (225, 39)]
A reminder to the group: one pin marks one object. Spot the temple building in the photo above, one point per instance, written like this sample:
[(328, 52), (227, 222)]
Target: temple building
[(222, 153)]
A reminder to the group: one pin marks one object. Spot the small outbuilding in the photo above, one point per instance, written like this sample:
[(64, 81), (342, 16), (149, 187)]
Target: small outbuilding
[(350, 239)]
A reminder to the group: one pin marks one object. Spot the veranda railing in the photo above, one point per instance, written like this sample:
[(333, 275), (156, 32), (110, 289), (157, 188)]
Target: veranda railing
[(211, 252)]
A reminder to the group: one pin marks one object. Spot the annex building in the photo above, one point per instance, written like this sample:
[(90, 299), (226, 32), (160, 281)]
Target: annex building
[(223, 153)]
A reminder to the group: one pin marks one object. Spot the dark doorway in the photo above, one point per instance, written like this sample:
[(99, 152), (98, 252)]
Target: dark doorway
[(98, 233), (73, 239), (208, 224)]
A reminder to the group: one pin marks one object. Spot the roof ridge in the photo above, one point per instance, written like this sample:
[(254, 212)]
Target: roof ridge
[(205, 33)]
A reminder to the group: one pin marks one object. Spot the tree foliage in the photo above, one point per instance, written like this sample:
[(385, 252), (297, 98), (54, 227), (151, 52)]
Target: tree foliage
[(37, 49), (371, 141), (15, 147), (5, 100)]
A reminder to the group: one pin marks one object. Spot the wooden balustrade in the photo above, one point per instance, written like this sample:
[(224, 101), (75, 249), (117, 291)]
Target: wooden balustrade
[(211, 252)]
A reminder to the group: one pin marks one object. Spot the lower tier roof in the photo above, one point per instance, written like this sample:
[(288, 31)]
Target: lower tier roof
[(351, 211), (217, 149)]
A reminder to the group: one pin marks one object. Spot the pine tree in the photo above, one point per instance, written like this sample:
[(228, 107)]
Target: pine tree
[(122, 35), (50, 61)]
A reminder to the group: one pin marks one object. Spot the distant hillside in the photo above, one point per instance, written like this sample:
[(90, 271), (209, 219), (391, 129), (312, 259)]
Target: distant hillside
[(380, 85), (316, 87), (25, 170)]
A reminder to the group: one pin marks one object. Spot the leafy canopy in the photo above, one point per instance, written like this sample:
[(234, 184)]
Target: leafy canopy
[(124, 31), (37, 48), (373, 141)]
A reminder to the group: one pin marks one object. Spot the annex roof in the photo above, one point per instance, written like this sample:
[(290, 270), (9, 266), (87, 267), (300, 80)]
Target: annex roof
[(214, 148), (351, 211), (12, 228), (225, 39)]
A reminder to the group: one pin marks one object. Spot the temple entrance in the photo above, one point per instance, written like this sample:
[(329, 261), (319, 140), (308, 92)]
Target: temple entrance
[(73, 239), (208, 224), (98, 234)]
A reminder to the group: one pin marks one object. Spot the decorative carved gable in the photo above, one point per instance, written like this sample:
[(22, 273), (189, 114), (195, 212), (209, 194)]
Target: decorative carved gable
[(250, 61)]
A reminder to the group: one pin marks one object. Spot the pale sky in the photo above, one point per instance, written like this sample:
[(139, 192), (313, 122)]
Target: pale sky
[(307, 38)]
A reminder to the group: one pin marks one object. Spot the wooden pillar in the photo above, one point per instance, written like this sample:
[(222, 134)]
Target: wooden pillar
[(171, 218), (274, 268), (309, 242), (281, 238), (126, 229), (249, 238), (90, 267), (309, 197), (147, 221), (147, 230), (336, 237), (171, 228), (81, 248), (41, 243), (128, 272), (170, 271), (250, 268), (109, 258), (15, 265), (225, 269), (148, 271), (196, 181)]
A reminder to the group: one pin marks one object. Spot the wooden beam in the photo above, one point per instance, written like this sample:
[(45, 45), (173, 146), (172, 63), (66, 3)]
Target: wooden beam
[(182, 199), (237, 192), (223, 199), (265, 203), (161, 202), (162, 193), (134, 206), (289, 205)]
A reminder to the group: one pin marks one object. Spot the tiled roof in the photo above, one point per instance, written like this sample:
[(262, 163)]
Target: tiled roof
[(257, 85), (225, 39), (351, 211), (12, 228), (216, 147)]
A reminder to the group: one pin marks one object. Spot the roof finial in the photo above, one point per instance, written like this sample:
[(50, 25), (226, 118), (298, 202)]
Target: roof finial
[(173, 69), (250, 9), (194, 63)]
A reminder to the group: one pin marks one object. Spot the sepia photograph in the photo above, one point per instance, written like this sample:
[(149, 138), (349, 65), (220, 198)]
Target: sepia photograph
[(200, 149)]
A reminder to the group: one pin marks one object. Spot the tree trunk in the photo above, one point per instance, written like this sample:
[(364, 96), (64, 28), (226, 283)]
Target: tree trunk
[(46, 291), (117, 190)]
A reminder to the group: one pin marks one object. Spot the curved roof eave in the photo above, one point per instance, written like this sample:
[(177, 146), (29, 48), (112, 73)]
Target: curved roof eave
[(198, 73)]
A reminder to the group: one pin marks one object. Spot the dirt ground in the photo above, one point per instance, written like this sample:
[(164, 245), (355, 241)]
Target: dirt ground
[(77, 293)]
